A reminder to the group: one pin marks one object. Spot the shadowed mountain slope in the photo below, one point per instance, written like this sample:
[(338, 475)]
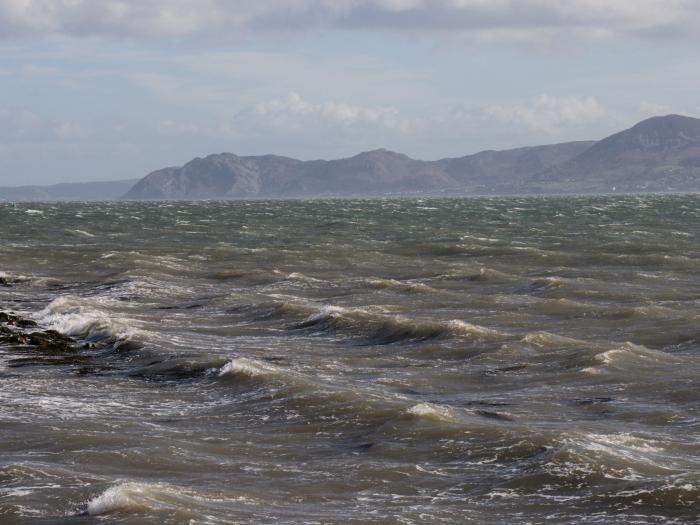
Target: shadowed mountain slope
[(658, 154)]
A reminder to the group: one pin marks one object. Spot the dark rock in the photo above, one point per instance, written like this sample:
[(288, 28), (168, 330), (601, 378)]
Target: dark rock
[(12, 319), (51, 341), (9, 337)]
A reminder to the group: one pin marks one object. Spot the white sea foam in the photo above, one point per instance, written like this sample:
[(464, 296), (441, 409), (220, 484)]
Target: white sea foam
[(550, 340), (73, 316), (135, 497), (402, 286), (619, 455), (249, 368), (396, 327), (629, 355), (458, 327), (431, 411), (83, 233)]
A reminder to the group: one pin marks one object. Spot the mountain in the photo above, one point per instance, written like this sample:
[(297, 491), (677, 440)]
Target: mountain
[(372, 173), (508, 171), (229, 176), (68, 191), (657, 154)]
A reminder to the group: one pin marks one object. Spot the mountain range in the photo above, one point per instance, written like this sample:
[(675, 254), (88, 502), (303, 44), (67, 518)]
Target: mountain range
[(659, 154)]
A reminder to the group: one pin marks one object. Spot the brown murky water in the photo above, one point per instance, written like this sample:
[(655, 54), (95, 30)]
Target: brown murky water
[(502, 360)]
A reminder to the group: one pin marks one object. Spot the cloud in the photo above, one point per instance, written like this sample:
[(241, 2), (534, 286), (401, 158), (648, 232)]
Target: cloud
[(651, 109), (24, 126), (299, 126), (480, 20), (546, 114), (292, 112)]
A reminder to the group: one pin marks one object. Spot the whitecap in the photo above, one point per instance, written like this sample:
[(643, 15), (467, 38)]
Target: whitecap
[(75, 317), (249, 367), (431, 411)]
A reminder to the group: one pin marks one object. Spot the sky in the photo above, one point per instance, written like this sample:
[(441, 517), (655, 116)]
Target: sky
[(113, 89)]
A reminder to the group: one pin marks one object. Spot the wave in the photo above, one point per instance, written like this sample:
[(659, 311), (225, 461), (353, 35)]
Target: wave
[(298, 280), (653, 311), (544, 284), (246, 276), (153, 263), (594, 457), (313, 395), (80, 233), (401, 286), (76, 317), (681, 492), (630, 356), (133, 497), (176, 369), (491, 275), (282, 306), (380, 328), (283, 382), (384, 414), (549, 340), (483, 274), (431, 412), (31, 280), (250, 368)]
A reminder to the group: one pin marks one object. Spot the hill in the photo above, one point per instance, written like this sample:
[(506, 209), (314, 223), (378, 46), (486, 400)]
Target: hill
[(372, 173), (68, 191), (658, 154)]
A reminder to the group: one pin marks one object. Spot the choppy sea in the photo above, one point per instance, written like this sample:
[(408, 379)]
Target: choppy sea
[(482, 360)]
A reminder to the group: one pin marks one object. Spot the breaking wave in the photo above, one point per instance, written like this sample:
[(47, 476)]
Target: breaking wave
[(76, 317), (381, 328)]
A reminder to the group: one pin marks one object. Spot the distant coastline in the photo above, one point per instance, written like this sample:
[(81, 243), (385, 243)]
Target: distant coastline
[(657, 155)]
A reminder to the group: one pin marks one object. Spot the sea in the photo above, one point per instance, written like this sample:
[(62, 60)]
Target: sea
[(491, 360)]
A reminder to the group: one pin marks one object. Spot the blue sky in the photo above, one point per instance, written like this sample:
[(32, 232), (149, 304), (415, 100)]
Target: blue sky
[(112, 89)]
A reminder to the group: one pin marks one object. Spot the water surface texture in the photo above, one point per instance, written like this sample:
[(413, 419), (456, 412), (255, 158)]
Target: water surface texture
[(491, 360)]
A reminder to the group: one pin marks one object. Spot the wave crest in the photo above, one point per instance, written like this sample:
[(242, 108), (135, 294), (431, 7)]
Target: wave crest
[(249, 368), (380, 328), (73, 316)]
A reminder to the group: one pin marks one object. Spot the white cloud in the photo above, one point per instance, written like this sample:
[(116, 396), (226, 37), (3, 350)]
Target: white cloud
[(546, 114), (651, 109), (24, 126), (486, 20), (292, 112)]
